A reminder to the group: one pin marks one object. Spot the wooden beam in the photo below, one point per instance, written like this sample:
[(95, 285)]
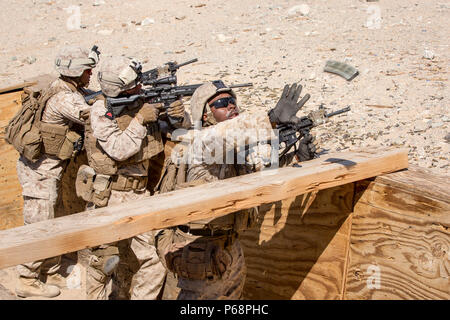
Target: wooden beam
[(17, 87), (90, 228)]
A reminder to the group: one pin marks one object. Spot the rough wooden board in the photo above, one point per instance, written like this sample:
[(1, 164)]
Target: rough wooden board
[(11, 201), (33, 81), (409, 254), (400, 231), (17, 87), (420, 181), (403, 201), (67, 234), (298, 251)]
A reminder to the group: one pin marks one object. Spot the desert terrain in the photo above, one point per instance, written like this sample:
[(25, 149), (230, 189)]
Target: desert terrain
[(400, 48)]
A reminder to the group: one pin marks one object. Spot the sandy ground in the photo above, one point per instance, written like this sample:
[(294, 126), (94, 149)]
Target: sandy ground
[(401, 49)]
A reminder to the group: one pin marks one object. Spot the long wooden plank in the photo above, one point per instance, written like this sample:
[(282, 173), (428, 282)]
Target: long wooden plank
[(17, 87), (71, 233)]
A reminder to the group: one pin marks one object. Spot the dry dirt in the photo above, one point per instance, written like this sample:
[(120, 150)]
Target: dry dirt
[(401, 49)]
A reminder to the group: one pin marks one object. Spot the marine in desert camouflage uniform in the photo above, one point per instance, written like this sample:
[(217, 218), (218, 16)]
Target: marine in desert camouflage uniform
[(119, 149), (40, 180), (206, 256)]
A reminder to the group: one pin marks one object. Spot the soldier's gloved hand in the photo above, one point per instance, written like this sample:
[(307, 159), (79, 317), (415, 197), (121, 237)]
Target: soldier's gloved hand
[(287, 107), (176, 109), (148, 113), (308, 148)]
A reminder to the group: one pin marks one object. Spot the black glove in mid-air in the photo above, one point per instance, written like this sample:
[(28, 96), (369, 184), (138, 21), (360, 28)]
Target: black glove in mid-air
[(287, 107)]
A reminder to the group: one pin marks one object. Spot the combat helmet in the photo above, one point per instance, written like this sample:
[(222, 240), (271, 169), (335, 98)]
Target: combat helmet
[(72, 61), (203, 94), (118, 74)]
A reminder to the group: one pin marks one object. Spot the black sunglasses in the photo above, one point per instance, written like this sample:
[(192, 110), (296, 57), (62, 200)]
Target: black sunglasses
[(223, 102)]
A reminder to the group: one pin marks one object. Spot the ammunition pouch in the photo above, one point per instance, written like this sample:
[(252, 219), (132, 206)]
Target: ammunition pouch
[(102, 190), (92, 187), (96, 188), (84, 183), (58, 140), (127, 183), (32, 144), (199, 258)]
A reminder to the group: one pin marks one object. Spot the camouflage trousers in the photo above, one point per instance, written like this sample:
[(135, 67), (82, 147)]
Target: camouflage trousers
[(40, 182), (229, 286), (35, 210), (137, 254)]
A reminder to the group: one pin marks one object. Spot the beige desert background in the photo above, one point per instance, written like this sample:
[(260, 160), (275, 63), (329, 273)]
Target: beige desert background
[(400, 48)]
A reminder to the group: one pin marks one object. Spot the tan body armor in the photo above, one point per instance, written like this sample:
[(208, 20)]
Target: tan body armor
[(94, 183), (57, 139), (33, 137), (200, 249)]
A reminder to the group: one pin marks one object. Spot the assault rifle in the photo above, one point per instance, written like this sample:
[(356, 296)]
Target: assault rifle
[(289, 134), (159, 93), (152, 77)]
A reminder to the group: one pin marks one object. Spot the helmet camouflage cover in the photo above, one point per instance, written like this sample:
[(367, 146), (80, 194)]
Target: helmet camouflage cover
[(72, 61), (118, 74), (203, 94)]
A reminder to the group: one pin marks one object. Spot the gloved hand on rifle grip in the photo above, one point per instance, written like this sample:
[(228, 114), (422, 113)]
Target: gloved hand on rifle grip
[(176, 109), (148, 113), (308, 148), (287, 107)]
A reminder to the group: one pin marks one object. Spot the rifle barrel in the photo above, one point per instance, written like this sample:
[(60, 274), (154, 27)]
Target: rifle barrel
[(185, 63), (346, 109), (240, 85)]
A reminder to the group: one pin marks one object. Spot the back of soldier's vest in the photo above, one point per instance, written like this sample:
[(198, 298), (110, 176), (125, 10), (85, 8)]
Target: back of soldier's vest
[(23, 130)]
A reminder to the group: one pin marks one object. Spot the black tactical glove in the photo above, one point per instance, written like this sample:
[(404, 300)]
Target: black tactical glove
[(287, 107), (308, 148)]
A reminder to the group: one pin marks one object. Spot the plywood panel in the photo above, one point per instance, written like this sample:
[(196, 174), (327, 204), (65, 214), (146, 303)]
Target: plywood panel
[(298, 248), (400, 238), (11, 201)]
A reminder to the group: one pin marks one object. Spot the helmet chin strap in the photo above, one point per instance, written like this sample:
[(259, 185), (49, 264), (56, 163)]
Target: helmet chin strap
[(210, 120), (75, 81)]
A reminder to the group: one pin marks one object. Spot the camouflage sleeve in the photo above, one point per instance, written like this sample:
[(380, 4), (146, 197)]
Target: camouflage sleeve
[(230, 135), (118, 144), (201, 171), (259, 156), (63, 107)]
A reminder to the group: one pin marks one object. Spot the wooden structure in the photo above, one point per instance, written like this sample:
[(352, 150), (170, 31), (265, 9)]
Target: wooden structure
[(382, 238), (109, 224), (346, 230)]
